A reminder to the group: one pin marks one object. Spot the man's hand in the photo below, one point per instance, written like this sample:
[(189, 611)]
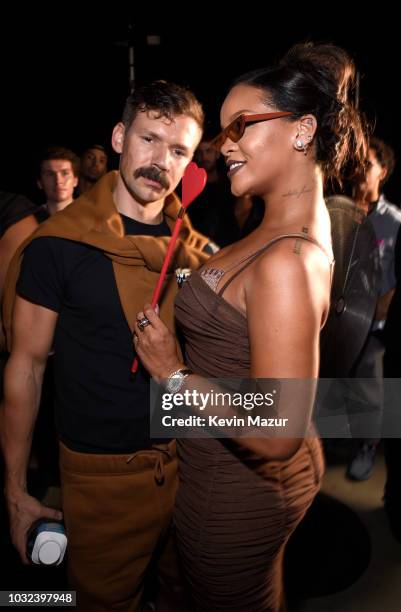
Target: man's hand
[(24, 510)]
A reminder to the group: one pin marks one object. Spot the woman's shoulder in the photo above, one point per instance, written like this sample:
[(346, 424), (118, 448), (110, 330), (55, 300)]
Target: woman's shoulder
[(291, 276), (292, 258)]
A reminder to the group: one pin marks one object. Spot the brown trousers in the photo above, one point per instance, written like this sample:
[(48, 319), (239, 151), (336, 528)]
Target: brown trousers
[(117, 512)]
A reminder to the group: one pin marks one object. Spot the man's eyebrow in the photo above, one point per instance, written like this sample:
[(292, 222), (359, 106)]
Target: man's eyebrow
[(175, 145), (179, 145), (150, 133)]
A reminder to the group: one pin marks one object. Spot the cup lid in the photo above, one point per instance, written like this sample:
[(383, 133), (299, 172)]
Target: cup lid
[(49, 552)]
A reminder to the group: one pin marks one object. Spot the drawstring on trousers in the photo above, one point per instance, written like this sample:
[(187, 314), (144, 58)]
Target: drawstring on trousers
[(159, 470), (159, 465)]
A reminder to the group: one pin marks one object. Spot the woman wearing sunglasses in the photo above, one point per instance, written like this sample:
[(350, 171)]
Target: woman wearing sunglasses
[(255, 311)]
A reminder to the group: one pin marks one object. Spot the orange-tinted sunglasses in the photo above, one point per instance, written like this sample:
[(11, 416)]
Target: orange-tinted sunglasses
[(235, 130)]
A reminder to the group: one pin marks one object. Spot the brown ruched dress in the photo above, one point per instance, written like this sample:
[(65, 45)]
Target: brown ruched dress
[(234, 511)]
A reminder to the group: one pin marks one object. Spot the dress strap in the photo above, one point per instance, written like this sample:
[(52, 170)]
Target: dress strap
[(251, 258)]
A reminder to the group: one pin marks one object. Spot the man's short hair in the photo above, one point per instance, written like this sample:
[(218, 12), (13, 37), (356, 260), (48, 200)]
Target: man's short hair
[(167, 99), (59, 153), (98, 147), (385, 156)]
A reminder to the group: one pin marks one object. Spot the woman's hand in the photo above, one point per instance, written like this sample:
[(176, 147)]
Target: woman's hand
[(155, 345)]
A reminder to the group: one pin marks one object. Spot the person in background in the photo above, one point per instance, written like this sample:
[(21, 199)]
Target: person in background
[(92, 167), (17, 222), (57, 178), (386, 219), (212, 213)]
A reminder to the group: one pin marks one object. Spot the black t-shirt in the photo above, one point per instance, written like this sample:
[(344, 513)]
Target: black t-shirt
[(100, 407)]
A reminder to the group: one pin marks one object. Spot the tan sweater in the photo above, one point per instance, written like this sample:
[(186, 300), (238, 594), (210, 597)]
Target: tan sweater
[(137, 260)]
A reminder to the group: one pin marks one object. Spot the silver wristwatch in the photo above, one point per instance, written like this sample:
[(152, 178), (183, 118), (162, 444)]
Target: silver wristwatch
[(176, 379)]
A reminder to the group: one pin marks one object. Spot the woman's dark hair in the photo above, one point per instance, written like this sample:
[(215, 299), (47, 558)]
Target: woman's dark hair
[(319, 79), (167, 99)]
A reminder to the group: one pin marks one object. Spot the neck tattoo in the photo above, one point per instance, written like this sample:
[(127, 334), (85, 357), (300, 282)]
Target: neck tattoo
[(297, 193)]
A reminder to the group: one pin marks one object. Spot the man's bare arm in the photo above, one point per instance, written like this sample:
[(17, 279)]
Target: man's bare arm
[(33, 331)]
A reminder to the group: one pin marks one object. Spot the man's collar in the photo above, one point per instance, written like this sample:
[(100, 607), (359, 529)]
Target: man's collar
[(99, 205)]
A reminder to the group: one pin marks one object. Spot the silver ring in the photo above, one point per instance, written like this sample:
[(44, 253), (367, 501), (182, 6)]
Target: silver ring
[(142, 323)]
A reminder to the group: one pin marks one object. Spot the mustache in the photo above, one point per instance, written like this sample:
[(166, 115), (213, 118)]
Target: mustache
[(154, 174)]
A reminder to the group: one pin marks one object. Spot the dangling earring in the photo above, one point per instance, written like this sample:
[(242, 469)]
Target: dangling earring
[(307, 145)]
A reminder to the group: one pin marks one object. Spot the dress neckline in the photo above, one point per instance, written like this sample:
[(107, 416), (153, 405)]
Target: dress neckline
[(219, 297), (212, 276)]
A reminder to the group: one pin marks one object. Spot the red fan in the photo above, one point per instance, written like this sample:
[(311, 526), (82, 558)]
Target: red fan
[(193, 183)]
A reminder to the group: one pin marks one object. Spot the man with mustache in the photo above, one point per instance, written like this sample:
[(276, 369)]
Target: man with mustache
[(78, 284), (153, 174)]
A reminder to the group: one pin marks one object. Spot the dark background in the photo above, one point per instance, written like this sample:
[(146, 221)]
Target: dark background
[(65, 76)]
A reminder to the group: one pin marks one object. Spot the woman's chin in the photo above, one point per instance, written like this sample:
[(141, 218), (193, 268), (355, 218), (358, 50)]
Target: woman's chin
[(239, 191), (242, 193)]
